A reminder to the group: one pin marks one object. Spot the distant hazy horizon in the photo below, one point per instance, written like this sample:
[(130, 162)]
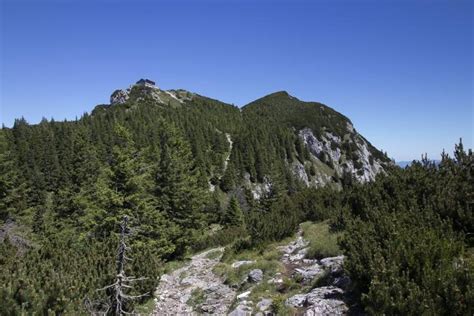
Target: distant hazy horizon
[(401, 71)]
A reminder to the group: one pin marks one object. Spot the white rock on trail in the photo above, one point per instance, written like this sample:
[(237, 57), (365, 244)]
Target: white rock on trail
[(241, 263)]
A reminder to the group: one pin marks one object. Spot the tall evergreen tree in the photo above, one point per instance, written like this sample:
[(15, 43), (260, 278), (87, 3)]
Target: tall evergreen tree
[(233, 215), (176, 187), (122, 189)]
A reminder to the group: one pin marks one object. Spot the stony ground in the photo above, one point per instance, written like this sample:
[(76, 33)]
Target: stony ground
[(194, 289), (327, 299)]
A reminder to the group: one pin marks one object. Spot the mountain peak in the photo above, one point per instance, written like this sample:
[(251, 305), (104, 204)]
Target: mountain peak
[(281, 93), (146, 88)]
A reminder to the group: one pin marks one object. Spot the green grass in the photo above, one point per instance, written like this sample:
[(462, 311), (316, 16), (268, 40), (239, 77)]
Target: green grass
[(145, 308), (197, 298), (322, 242), (213, 254), (170, 266)]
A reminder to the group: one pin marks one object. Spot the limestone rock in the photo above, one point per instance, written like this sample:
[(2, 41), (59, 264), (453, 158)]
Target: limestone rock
[(237, 264), (264, 304), (309, 273), (255, 276), (327, 307), (333, 264), (119, 97), (297, 300), (325, 292), (330, 146)]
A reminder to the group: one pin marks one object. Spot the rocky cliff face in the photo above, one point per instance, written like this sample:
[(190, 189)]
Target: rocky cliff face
[(359, 163)]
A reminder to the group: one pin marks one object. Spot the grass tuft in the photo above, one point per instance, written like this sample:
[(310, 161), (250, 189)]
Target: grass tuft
[(322, 242)]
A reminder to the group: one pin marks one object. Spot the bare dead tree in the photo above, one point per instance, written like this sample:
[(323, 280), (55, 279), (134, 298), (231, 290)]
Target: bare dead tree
[(122, 283)]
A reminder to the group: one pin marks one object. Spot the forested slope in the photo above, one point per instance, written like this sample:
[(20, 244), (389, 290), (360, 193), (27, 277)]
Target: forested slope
[(192, 172)]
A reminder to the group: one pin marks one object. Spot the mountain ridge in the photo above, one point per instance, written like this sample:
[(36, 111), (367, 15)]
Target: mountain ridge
[(315, 143)]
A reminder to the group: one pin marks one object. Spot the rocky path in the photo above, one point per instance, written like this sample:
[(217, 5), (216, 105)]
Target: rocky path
[(194, 289), (324, 300)]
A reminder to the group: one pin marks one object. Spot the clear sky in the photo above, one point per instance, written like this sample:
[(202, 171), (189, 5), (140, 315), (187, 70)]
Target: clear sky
[(401, 70)]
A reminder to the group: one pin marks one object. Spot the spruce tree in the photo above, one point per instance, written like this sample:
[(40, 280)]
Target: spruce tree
[(233, 215), (176, 188), (123, 189)]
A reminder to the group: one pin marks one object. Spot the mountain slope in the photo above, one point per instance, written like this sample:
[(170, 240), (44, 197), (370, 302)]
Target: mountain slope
[(190, 172), (276, 136), (334, 147)]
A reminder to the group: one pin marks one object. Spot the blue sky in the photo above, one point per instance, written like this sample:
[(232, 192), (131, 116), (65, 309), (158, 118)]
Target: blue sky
[(401, 70)]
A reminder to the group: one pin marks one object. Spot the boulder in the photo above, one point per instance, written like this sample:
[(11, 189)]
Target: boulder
[(310, 272), (297, 300), (208, 308), (325, 292), (303, 251), (333, 264), (327, 307), (255, 276), (264, 304), (275, 280)]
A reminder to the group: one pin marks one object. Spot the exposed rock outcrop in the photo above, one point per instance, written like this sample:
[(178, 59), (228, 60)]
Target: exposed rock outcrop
[(359, 162), (258, 189), (119, 97)]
